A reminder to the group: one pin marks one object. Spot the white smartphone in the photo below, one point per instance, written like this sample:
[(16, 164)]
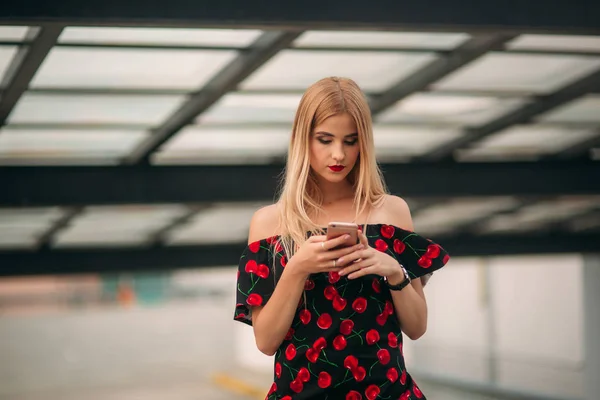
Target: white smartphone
[(336, 229)]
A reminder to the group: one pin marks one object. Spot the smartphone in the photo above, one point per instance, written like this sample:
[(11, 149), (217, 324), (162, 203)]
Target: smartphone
[(336, 229)]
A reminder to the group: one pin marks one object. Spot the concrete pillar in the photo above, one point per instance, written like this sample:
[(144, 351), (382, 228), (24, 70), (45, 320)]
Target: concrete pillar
[(591, 322)]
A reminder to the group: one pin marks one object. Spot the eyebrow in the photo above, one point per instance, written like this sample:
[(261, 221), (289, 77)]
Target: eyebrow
[(352, 135)]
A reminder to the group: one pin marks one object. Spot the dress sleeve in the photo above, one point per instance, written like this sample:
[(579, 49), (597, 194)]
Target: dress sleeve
[(420, 256), (255, 279)]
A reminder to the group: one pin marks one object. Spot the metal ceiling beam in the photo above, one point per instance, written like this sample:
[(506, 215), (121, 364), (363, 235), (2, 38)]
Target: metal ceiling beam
[(556, 16), (24, 66), (581, 149), (71, 186), (439, 68), (248, 61), (73, 261), (523, 115)]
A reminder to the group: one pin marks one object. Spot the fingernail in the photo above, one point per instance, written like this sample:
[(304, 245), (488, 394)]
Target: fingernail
[(341, 273), (339, 260), (346, 236)]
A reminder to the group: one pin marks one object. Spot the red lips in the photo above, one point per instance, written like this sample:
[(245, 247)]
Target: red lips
[(336, 168)]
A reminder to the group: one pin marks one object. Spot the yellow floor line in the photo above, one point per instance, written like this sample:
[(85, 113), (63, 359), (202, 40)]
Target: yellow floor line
[(239, 386)]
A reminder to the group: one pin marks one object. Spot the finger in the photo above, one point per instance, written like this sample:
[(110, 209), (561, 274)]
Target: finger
[(353, 256), (317, 238), (363, 239), (332, 243), (362, 264), (362, 272), (343, 252)]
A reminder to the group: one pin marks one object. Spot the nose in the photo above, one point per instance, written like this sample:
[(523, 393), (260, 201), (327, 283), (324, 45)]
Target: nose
[(338, 153)]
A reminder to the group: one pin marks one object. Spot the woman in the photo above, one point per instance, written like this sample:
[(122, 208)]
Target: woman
[(333, 317)]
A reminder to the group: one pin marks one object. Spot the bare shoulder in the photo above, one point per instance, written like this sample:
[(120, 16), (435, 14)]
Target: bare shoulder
[(264, 223), (397, 212)]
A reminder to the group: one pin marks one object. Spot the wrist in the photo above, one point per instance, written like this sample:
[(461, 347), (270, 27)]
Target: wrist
[(396, 278)]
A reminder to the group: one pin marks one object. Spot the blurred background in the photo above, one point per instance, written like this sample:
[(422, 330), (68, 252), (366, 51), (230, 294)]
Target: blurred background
[(137, 140)]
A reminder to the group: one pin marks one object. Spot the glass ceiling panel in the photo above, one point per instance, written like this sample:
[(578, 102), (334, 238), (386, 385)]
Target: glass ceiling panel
[(394, 143), (373, 71), (37, 145), (130, 68), (21, 227), (94, 109), (525, 142), (219, 224), (585, 109), (159, 36), (114, 225), (417, 40), (439, 108), (535, 73), (213, 145), (556, 42), (243, 107), (7, 53), (445, 217), (13, 32)]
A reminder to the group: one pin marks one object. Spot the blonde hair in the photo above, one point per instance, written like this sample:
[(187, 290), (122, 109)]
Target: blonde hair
[(300, 196)]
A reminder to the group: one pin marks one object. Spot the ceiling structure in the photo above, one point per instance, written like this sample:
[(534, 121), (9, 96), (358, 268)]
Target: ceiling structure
[(143, 142)]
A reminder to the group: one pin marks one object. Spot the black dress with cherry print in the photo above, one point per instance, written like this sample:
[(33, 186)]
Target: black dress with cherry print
[(345, 342)]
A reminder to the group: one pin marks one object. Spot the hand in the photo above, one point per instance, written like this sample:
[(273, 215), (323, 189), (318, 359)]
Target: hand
[(316, 255), (370, 261)]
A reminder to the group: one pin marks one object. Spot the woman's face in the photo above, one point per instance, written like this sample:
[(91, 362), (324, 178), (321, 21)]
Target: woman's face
[(334, 148)]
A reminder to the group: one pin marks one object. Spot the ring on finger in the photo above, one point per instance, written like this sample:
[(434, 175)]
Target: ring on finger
[(334, 264), (323, 245)]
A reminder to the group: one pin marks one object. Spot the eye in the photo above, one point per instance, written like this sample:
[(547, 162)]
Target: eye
[(351, 142), (323, 140)]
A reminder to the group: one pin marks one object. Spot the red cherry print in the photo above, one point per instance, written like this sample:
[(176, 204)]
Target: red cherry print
[(376, 285), (241, 315), (324, 321), (297, 385), (286, 398), (346, 326), (324, 380), (401, 350), (305, 316), (372, 392), (359, 305), (372, 337), (359, 374), (330, 292), (309, 284), (278, 370), (303, 375), (339, 343), (388, 308), (417, 391), (405, 396), (273, 389), (312, 355), (263, 271), (238, 274), (384, 356), (251, 267), (387, 231), (403, 377), (392, 340), (320, 344), (254, 246), (353, 395), (271, 239), (399, 246), (283, 261), (446, 259), (381, 319), (254, 300), (424, 262), (278, 247), (350, 363), (290, 351), (381, 245), (392, 374), (433, 251), (334, 277), (339, 303)]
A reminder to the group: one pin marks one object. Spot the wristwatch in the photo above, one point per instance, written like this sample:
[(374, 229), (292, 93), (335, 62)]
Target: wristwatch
[(402, 284)]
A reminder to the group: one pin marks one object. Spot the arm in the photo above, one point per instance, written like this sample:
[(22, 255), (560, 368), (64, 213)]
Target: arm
[(410, 304), (272, 321)]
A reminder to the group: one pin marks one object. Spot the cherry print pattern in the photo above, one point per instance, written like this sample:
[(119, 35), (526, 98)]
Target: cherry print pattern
[(345, 341)]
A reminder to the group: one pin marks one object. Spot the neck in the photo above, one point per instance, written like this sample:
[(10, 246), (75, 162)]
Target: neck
[(333, 192)]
